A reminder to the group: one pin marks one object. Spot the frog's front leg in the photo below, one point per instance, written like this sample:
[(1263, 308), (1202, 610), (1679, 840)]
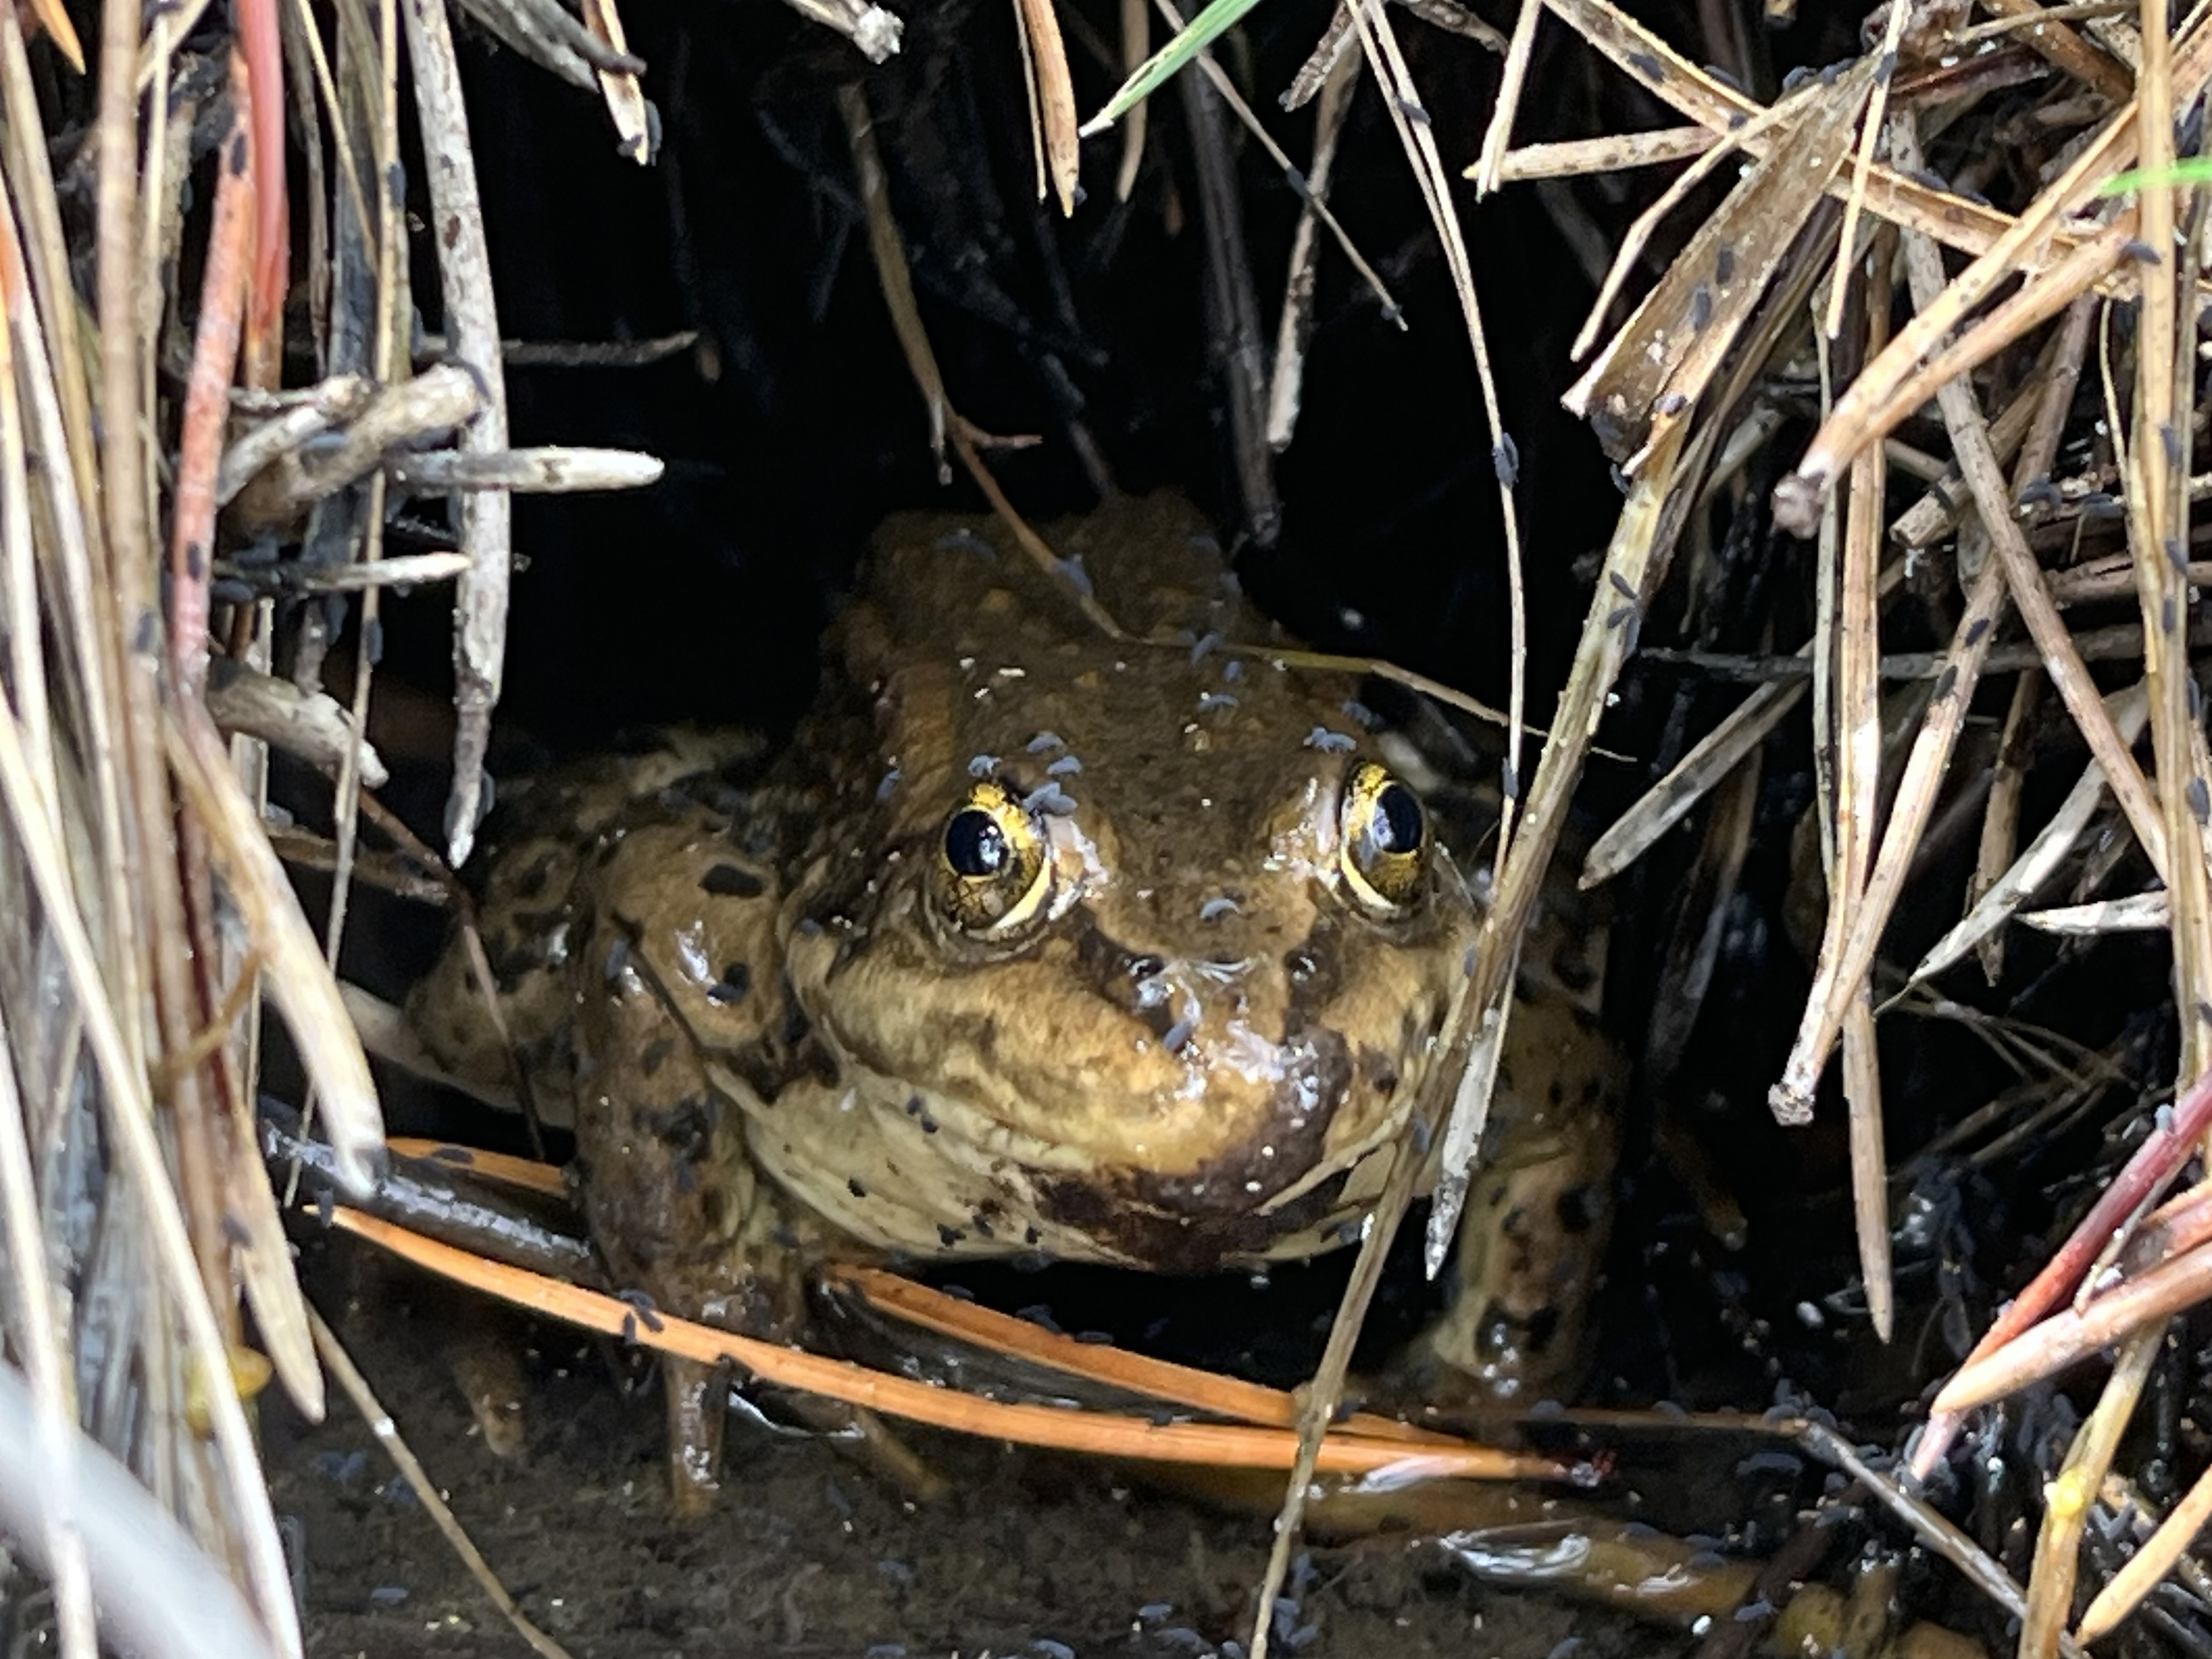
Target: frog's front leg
[(1532, 1238), (678, 956)]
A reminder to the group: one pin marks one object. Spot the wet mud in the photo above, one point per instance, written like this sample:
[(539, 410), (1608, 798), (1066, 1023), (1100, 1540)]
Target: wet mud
[(810, 1553)]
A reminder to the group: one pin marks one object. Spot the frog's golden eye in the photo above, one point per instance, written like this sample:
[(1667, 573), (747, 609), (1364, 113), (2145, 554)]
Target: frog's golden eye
[(1386, 838), (993, 874)]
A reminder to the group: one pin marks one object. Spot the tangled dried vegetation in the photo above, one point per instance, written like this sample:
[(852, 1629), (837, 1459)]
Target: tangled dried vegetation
[(2005, 413)]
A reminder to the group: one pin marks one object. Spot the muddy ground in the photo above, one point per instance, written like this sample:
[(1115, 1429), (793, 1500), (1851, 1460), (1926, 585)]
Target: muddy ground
[(810, 1555)]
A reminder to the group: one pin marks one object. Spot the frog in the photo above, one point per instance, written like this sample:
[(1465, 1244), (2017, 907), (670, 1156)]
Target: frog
[(1079, 920)]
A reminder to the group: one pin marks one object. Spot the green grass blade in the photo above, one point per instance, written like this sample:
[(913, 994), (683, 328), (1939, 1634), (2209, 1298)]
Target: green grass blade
[(2189, 170), (1194, 37)]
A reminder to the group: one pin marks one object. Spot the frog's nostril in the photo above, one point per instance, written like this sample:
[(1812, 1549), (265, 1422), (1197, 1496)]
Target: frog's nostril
[(1146, 967)]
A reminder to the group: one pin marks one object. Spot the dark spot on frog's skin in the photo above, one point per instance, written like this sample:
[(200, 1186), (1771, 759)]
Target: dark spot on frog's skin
[(531, 884), (982, 1225), (1582, 1208), (737, 979), (1377, 1072), (687, 1128), (853, 1186), (1315, 973), (948, 1236), (512, 965), (729, 881), (796, 1025), (656, 1055)]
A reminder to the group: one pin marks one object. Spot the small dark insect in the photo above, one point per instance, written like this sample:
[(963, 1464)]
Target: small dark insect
[(1050, 797), (1946, 682)]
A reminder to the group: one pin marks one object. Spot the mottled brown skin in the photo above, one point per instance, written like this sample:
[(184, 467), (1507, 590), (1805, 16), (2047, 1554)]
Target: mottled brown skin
[(784, 1043)]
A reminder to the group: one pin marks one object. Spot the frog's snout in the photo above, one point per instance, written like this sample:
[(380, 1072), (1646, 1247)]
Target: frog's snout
[(1181, 1002)]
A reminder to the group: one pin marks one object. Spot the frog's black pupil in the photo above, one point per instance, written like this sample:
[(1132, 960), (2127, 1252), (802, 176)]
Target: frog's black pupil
[(1397, 819), (974, 846)]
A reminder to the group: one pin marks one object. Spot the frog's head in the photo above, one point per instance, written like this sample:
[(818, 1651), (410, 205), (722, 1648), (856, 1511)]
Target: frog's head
[(1174, 962)]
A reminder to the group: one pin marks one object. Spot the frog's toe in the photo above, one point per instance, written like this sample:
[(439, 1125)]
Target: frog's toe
[(698, 1407), (483, 1352)]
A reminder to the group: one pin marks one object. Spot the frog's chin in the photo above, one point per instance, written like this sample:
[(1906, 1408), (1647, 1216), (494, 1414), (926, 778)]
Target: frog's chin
[(918, 1170)]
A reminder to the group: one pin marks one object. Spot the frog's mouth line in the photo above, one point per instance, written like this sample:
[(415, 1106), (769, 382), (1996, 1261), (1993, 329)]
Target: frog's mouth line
[(924, 1171)]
